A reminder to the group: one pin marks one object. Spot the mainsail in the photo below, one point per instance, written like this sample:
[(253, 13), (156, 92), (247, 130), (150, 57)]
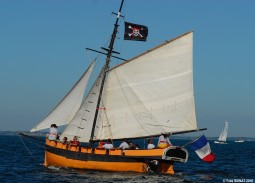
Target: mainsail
[(147, 95), (151, 93), (64, 112)]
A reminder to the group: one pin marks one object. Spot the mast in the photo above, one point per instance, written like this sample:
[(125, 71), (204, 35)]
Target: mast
[(106, 67)]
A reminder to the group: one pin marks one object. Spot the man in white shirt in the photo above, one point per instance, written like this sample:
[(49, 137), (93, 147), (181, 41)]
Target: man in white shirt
[(108, 144), (124, 145), (150, 144), (53, 135)]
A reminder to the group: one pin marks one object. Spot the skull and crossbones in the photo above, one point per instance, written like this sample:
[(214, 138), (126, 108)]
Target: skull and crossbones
[(135, 31)]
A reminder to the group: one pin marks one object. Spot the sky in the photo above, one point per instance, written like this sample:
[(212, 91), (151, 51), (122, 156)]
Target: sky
[(42, 54)]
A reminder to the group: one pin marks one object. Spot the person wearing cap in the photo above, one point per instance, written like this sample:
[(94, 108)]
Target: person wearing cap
[(163, 140), (53, 135)]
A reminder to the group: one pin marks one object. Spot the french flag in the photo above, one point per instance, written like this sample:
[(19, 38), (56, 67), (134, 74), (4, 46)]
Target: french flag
[(203, 150)]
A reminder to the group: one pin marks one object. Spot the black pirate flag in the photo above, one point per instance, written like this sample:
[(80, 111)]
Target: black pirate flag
[(135, 32)]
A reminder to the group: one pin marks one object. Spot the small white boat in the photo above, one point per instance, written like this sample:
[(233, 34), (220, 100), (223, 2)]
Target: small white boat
[(239, 141)]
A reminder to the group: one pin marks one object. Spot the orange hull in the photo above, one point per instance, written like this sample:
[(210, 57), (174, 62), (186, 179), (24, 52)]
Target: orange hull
[(55, 160), (57, 154)]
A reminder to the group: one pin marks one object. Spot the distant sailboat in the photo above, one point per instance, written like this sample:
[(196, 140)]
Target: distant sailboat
[(223, 136), (239, 140)]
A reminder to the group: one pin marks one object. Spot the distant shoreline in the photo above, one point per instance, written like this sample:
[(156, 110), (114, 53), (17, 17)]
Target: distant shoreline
[(13, 133)]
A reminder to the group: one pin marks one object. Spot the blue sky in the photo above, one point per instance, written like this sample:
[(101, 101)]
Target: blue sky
[(42, 54)]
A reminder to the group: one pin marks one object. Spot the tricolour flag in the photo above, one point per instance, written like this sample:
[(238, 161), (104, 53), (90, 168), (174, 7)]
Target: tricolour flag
[(135, 32), (202, 147)]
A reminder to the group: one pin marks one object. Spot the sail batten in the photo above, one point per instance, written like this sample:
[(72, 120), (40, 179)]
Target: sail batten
[(64, 112)]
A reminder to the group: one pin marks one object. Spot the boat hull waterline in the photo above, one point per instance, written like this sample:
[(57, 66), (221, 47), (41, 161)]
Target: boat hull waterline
[(141, 160)]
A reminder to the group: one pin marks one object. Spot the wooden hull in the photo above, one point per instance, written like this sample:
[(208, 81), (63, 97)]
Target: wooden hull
[(144, 160)]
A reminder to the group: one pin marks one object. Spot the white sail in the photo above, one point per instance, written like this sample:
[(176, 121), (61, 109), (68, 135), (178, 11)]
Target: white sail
[(224, 133), (150, 93), (64, 112), (81, 125)]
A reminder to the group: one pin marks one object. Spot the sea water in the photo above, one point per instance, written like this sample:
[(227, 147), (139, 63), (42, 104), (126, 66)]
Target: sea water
[(235, 162)]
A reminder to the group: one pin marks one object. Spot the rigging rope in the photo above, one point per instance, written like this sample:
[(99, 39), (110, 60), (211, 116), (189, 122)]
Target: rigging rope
[(26, 147), (35, 138)]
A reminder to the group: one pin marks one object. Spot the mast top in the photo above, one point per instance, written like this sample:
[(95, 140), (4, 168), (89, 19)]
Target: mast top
[(106, 67), (111, 44)]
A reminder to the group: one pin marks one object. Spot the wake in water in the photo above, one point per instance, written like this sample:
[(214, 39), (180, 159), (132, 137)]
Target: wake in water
[(54, 168)]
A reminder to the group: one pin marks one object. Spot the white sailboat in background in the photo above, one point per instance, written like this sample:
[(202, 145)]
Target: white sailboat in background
[(223, 136), (239, 140)]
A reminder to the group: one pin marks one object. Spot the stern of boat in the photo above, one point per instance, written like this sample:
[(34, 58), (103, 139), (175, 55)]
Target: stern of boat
[(176, 154), (170, 155)]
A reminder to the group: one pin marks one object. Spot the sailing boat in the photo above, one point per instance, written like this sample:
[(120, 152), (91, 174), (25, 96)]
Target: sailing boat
[(223, 136), (239, 141), (137, 99)]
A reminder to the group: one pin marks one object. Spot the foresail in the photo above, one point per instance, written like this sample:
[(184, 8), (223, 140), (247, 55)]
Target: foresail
[(81, 125), (151, 93), (64, 112)]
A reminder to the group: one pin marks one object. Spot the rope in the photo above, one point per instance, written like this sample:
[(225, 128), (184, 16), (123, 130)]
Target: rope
[(31, 137), (36, 144), (26, 147)]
